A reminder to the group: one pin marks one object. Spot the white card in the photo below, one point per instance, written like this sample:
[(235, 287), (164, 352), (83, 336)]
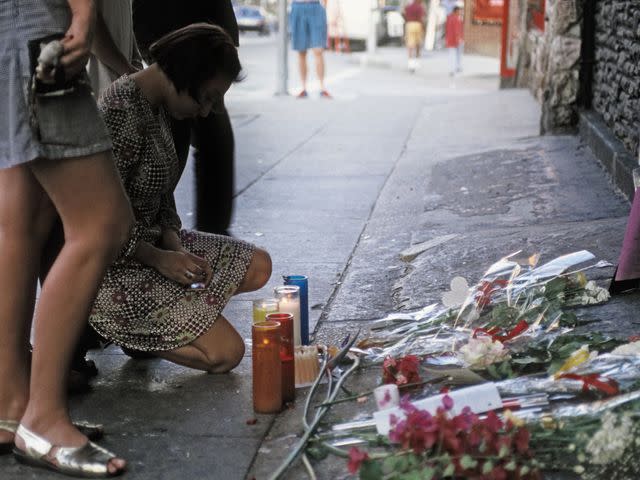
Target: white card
[(480, 398)]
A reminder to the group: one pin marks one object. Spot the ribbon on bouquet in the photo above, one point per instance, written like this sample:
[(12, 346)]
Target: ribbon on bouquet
[(487, 289), (608, 386), (497, 335)]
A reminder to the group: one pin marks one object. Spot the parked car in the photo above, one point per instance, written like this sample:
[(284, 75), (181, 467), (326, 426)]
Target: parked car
[(252, 19)]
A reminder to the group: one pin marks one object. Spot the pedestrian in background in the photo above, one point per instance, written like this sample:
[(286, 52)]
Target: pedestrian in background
[(211, 137), (454, 40), (54, 160), (309, 32), (414, 30)]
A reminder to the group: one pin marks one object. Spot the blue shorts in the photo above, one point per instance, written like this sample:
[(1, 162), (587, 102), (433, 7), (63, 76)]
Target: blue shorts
[(308, 22)]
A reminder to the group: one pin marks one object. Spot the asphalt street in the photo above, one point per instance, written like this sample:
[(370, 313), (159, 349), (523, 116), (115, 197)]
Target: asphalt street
[(337, 190)]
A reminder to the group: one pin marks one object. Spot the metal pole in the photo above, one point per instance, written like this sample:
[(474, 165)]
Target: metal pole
[(371, 38), (283, 63)]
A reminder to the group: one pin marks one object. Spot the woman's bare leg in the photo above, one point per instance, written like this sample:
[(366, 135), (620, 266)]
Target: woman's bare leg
[(318, 53), (258, 273), (90, 199), (26, 215), (221, 348)]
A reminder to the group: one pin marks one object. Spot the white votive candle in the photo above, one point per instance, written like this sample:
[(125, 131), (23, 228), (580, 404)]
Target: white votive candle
[(288, 297)]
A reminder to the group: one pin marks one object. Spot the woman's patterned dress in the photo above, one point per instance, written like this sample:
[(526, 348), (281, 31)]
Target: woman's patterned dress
[(136, 306)]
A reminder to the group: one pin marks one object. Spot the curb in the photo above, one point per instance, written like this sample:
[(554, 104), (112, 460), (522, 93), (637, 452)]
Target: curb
[(609, 151)]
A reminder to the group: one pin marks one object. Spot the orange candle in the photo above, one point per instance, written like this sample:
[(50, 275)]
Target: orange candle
[(286, 354), (267, 369)]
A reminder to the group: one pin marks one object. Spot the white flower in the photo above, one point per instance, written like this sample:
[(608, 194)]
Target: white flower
[(632, 348), (608, 444), (483, 351), (592, 295)]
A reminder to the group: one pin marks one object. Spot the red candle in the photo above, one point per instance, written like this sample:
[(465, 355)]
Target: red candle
[(286, 354), (267, 369)]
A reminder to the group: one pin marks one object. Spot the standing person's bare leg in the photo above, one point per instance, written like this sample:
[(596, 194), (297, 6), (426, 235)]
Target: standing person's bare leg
[(319, 58), (88, 195), (26, 215), (302, 65)]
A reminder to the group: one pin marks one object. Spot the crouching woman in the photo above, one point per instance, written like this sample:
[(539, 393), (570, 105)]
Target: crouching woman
[(168, 299)]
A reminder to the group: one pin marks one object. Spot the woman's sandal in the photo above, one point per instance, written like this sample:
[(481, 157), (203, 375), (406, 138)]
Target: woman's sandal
[(92, 431), (89, 461)]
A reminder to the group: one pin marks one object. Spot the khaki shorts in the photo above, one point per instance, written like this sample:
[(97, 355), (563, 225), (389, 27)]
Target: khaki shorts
[(414, 34)]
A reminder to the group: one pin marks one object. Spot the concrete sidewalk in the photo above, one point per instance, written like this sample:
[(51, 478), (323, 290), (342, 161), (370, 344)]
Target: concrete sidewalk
[(336, 190)]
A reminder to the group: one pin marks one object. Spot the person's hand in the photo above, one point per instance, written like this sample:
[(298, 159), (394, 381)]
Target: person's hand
[(77, 42), (183, 267), (202, 263)]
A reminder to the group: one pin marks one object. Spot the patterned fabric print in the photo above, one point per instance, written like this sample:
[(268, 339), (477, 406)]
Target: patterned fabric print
[(140, 309), (145, 156), (137, 307)]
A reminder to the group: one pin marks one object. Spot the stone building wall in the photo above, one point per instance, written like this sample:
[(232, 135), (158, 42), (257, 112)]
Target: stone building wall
[(616, 72), (561, 83), (549, 63)]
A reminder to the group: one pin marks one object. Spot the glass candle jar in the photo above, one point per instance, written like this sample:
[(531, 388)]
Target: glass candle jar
[(286, 354), (302, 282), (263, 307), (267, 368), (288, 297)]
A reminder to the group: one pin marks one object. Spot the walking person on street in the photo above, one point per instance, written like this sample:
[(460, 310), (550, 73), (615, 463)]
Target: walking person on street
[(309, 32), (54, 159), (414, 16), (454, 40)]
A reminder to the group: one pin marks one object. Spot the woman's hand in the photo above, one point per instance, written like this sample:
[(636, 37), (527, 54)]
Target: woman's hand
[(78, 39), (183, 267)]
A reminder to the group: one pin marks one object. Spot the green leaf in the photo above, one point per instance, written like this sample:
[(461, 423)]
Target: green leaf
[(428, 473), (529, 359), (511, 466), (402, 463), (449, 471), (555, 288), (389, 464), (413, 475), (413, 460), (504, 315), (504, 451), (467, 462), (569, 320), (371, 470), (317, 453), (487, 467)]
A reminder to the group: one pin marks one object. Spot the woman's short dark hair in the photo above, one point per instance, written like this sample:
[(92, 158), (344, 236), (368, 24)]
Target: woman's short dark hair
[(194, 54)]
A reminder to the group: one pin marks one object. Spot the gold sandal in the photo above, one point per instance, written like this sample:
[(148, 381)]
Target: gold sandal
[(7, 426), (89, 461), (93, 431)]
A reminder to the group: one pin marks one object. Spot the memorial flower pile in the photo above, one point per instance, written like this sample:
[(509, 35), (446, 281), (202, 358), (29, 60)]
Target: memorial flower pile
[(561, 397), (433, 447)]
